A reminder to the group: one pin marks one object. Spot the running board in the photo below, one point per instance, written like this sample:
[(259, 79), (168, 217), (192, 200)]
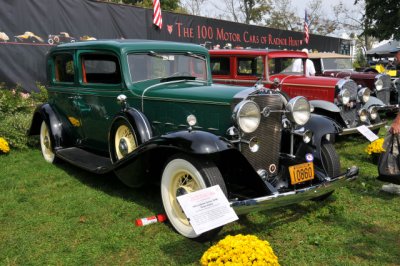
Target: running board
[(86, 160)]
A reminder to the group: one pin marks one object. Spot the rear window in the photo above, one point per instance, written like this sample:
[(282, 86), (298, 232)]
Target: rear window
[(64, 68)]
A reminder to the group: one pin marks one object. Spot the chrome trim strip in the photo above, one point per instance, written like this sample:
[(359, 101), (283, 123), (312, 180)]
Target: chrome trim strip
[(293, 197)]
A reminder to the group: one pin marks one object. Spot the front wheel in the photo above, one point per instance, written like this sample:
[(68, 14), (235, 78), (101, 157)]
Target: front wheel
[(46, 144), (330, 159), (331, 164), (183, 174)]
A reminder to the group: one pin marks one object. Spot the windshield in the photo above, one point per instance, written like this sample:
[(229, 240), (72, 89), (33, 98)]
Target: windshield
[(293, 66), (165, 65), (337, 63)]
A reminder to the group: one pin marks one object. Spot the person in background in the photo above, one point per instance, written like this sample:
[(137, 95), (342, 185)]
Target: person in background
[(310, 69), (394, 129)]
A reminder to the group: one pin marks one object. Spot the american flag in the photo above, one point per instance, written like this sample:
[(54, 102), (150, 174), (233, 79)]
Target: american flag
[(157, 19), (306, 34)]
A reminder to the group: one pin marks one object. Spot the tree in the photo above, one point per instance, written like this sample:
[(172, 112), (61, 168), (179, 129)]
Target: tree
[(319, 23), (284, 17), (354, 20), (193, 7), (245, 11), (254, 10), (383, 18), (168, 5)]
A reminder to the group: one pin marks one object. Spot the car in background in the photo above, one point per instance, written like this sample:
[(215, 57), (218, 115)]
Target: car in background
[(149, 112), (339, 99), (340, 66), (4, 37), (28, 37), (63, 37)]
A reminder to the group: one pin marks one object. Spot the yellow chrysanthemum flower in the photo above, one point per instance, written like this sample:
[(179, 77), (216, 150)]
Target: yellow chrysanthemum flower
[(4, 147), (240, 250), (375, 147)]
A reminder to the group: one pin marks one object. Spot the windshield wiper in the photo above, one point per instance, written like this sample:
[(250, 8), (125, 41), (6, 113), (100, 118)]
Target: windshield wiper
[(195, 56), (154, 54)]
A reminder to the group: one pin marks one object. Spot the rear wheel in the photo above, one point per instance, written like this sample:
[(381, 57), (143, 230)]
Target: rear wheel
[(124, 139), (46, 144), (183, 174)]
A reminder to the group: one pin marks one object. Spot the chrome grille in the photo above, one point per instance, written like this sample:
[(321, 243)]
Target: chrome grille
[(268, 134), (351, 86), (384, 94), (349, 115), (387, 83)]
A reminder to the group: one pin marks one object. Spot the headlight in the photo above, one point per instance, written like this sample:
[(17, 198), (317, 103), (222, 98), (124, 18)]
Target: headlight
[(363, 94), (247, 116), (373, 112), (363, 114), (379, 84), (344, 96), (298, 110)]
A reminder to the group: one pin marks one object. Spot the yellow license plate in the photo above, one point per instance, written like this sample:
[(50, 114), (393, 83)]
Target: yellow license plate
[(301, 172)]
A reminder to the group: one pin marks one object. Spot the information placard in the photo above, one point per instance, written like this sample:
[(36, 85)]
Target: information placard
[(207, 209), (366, 132)]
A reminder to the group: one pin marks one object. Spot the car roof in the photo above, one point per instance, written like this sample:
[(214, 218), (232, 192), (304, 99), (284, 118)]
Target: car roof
[(258, 52), (119, 45), (328, 55)]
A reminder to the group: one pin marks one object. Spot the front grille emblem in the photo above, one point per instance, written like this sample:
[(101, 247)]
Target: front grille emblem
[(272, 168), (266, 112)]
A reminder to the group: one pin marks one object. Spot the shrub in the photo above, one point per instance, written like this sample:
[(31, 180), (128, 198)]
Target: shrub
[(16, 109)]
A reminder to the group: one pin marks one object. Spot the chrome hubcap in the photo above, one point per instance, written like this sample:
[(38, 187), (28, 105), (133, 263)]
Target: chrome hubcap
[(46, 142), (123, 147)]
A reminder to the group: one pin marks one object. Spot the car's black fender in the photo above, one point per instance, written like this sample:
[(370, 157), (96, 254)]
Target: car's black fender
[(138, 121), (146, 163), (321, 126), (46, 113)]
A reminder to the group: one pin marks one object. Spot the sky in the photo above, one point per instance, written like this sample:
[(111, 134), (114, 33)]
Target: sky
[(327, 6)]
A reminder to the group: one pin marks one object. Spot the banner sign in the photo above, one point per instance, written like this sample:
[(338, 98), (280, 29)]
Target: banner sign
[(28, 29)]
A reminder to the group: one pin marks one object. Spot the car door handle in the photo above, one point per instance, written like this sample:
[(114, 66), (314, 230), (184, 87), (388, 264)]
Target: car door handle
[(75, 97)]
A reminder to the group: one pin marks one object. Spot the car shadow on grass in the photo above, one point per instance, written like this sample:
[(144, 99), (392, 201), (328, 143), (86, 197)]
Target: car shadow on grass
[(148, 196)]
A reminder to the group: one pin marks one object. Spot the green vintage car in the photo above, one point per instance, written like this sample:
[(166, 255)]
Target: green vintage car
[(148, 111)]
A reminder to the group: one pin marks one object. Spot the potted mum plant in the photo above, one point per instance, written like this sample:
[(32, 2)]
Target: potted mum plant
[(374, 150), (240, 250)]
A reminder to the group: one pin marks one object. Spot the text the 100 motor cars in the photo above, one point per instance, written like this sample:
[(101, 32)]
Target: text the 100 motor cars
[(148, 111)]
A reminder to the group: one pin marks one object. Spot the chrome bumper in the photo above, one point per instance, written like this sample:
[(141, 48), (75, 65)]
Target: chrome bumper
[(293, 197), (389, 108), (353, 130)]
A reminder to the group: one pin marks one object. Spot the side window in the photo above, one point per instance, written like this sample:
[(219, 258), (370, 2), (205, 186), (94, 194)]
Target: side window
[(63, 68), (100, 69), (249, 66), (220, 65)]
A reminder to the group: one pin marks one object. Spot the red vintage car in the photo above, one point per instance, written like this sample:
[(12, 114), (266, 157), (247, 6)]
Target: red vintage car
[(340, 66), (339, 99)]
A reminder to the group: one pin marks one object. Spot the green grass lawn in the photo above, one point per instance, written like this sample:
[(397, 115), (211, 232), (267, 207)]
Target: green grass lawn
[(59, 214)]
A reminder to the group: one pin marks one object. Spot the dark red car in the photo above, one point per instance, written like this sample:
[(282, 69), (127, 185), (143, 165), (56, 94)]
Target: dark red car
[(339, 99), (340, 66)]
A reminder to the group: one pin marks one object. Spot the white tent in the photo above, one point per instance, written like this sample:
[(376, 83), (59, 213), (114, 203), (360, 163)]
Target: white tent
[(385, 49)]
